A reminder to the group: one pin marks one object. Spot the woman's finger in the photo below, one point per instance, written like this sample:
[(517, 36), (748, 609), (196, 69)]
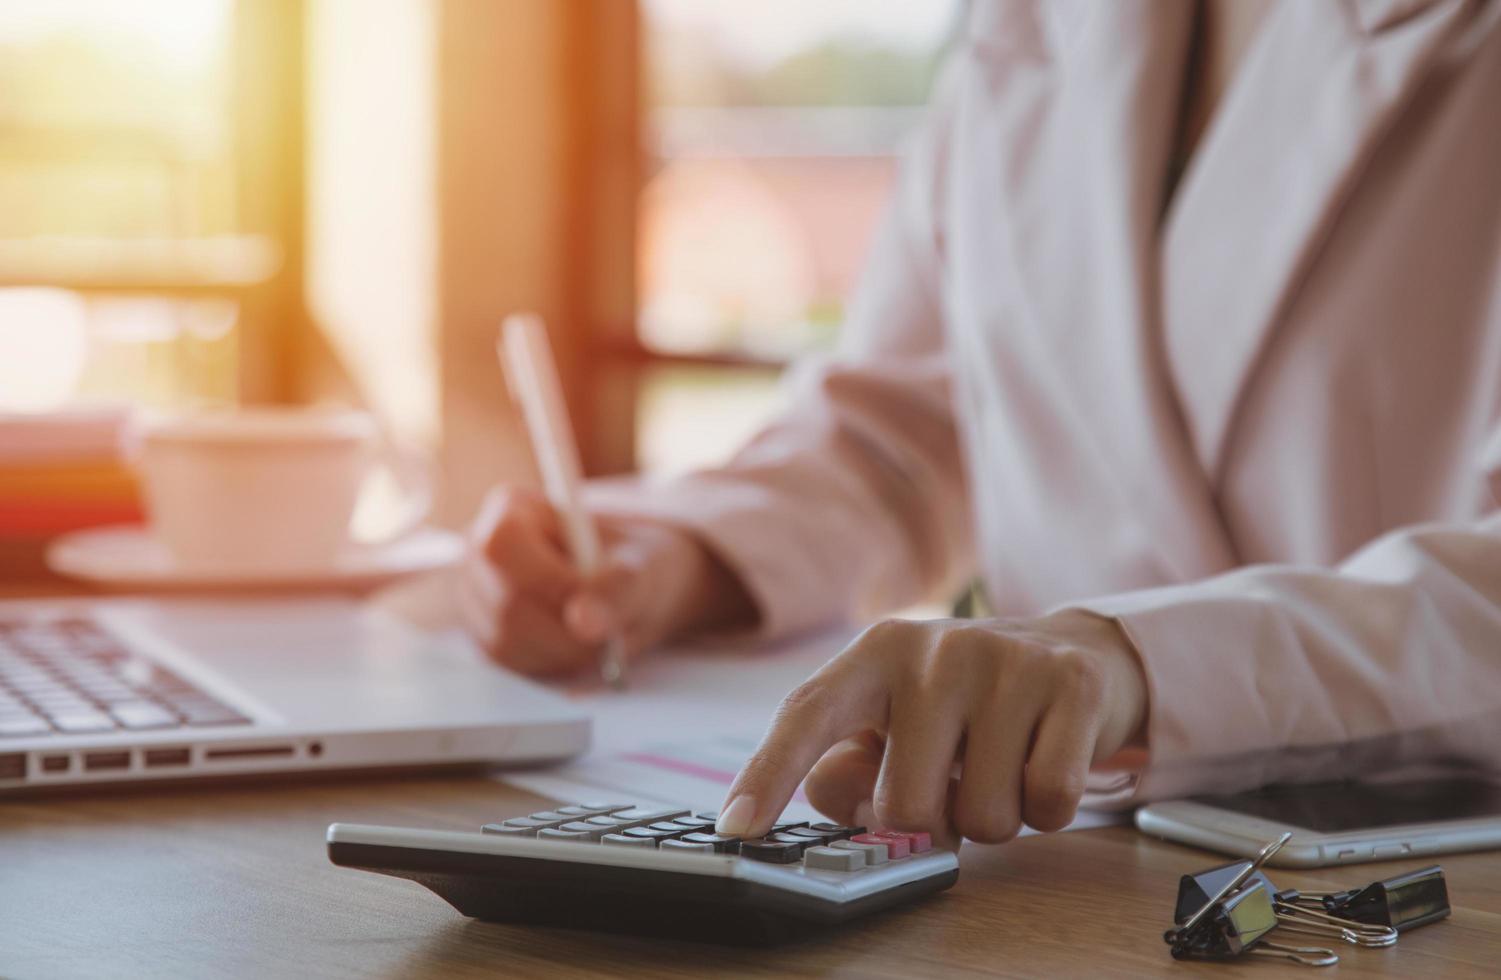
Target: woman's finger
[(838, 701), (988, 805), (531, 640), (1058, 765), (921, 740), (842, 784), (526, 550)]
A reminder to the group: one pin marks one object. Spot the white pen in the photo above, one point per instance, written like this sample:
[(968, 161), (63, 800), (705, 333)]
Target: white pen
[(526, 358)]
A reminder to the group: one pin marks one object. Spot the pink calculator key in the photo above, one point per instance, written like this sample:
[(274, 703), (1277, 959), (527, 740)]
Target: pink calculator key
[(920, 840), (896, 847)]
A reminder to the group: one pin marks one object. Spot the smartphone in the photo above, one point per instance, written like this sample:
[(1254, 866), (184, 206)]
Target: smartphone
[(1337, 823)]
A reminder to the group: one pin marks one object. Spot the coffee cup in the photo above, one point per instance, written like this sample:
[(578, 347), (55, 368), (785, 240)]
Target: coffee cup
[(263, 489)]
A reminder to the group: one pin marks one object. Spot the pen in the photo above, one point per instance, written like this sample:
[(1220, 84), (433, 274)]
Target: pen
[(526, 358)]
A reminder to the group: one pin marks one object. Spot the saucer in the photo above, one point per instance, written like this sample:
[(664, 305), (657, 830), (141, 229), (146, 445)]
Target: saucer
[(131, 557)]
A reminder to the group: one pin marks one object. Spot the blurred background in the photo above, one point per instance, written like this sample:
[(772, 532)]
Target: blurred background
[(210, 203)]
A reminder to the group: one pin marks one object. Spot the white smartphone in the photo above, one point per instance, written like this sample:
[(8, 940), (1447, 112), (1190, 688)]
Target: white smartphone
[(1337, 823)]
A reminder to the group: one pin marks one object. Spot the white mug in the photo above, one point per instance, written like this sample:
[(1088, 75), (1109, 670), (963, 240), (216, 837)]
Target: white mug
[(264, 489)]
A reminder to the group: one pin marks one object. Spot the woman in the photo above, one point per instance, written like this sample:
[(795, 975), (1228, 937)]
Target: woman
[(1183, 332)]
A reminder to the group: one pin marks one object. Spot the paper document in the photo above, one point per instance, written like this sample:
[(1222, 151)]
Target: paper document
[(688, 721)]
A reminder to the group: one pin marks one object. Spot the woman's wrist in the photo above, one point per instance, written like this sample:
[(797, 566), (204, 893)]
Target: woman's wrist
[(712, 597)]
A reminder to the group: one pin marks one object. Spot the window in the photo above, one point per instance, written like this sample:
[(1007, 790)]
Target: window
[(771, 132), (129, 135)]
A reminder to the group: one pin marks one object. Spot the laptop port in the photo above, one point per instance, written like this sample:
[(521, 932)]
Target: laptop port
[(98, 761), (168, 757), (13, 765), (57, 763), (249, 752)]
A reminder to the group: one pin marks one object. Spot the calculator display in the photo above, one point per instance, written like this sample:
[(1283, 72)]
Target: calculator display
[(1346, 806)]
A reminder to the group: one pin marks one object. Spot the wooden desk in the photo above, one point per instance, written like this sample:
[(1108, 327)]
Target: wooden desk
[(234, 881)]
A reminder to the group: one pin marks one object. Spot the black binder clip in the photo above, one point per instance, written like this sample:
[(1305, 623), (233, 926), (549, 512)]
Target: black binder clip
[(1226, 912), (1203, 887), (1237, 925), (1299, 912), (1403, 902)]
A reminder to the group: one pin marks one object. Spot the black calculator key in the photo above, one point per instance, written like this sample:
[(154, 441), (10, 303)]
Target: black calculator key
[(552, 816), (722, 843), (646, 815), (592, 831), (799, 842), (771, 851), (694, 823), (782, 825), (532, 823), (672, 826), (559, 833), (709, 815), (813, 836), (841, 833), (601, 820), (591, 809), (647, 833), (621, 840), (600, 825), (682, 846), (500, 828)]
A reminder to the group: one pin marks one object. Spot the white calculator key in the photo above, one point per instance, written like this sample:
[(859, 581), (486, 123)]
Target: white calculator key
[(874, 853), (833, 859)]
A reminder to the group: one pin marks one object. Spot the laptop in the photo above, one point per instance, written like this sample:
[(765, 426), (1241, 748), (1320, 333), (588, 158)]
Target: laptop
[(118, 691)]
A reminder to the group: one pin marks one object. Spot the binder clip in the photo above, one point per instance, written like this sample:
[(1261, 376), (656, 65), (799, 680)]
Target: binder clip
[(1237, 925), (1403, 902), (1302, 920), (1226, 912)]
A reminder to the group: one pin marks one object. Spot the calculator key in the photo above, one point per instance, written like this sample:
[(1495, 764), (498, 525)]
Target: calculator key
[(646, 815), (816, 836), (722, 843), (694, 823), (552, 816), (920, 840), (591, 809), (710, 815), (590, 829), (682, 845), (621, 840), (600, 825), (874, 853), (559, 833), (782, 825), (896, 847), (672, 826), (792, 839), (504, 831), (843, 833), (647, 833), (531, 823), (771, 851), (833, 859)]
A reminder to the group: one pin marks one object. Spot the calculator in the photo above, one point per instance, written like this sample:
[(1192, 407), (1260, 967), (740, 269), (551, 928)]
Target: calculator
[(659, 871)]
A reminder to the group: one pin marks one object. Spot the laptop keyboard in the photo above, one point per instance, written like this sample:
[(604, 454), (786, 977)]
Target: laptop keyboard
[(71, 677)]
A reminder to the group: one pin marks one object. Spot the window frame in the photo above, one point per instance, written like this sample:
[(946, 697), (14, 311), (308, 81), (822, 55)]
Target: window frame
[(260, 267)]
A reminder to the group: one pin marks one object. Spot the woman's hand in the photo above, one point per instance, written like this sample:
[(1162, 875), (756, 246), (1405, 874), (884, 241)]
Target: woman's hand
[(1022, 706), (533, 611)]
